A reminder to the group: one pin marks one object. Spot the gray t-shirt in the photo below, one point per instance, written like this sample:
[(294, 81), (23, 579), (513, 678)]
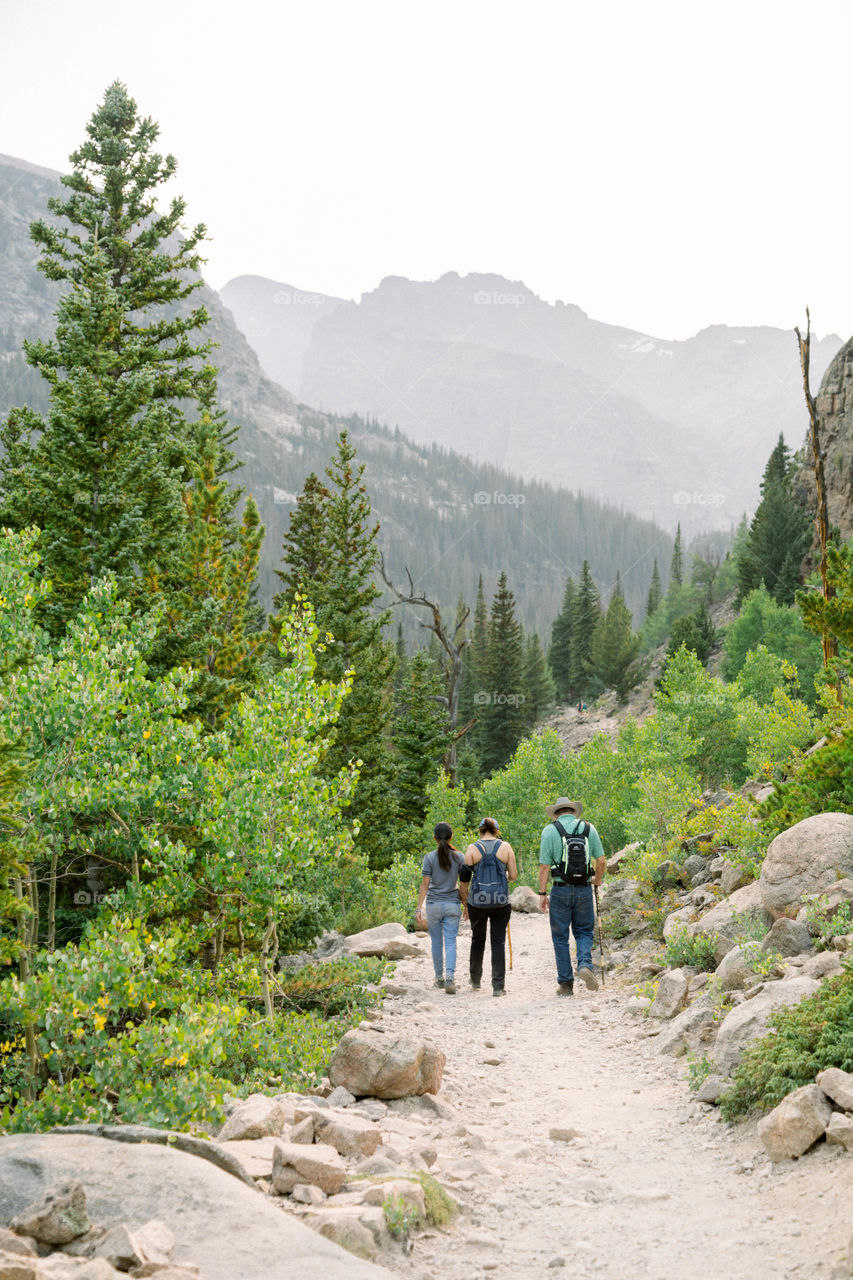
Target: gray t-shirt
[(442, 884)]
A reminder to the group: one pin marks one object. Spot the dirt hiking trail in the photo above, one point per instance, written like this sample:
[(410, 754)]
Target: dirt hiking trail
[(655, 1185)]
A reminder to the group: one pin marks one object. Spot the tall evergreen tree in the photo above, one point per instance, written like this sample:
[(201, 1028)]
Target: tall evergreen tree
[(104, 475), (474, 675), (779, 535), (586, 621), (676, 568), (502, 719), (420, 735), (618, 647), (341, 555), (560, 649), (539, 694), (655, 592)]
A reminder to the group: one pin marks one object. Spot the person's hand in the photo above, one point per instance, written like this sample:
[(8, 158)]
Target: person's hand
[(420, 914), (465, 912), (543, 907)]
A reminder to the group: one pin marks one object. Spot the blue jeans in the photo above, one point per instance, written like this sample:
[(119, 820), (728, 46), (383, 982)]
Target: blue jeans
[(443, 922), (571, 907)]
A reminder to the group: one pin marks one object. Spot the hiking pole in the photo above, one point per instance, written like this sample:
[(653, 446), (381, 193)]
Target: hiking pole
[(509, 942), (600, 938)]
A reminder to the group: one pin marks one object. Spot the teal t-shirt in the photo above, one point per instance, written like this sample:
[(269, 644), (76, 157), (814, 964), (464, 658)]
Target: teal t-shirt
[(551, 846)]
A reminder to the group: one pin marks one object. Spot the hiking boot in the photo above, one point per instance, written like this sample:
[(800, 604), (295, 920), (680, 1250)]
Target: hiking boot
[(589, 979), (450, 987), (497, 991), (439, 982), (565, 989), (475, 986)]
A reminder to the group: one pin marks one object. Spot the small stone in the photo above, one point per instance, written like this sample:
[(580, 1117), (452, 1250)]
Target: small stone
[(304, 1131), (840, 1131), (306, 1193), (341, 1097), (559, 1261), (256, 1117), (12, 1243), (57, 1218), (798, 1121), (564, 1135)]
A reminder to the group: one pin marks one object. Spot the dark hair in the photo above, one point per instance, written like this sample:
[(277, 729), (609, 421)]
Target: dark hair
[(488, 824), (442, 833)]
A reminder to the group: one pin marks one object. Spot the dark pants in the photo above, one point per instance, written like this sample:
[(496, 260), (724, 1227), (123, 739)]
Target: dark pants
[(496, 919)]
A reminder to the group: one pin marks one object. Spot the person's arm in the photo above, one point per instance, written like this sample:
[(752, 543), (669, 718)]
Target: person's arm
[(511, 868), (544, 868), (463, 887), (420, 914), (597, 850), (600, 867)]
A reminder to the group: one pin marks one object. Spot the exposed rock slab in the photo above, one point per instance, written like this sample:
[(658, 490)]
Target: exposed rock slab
[(255, 1117), (728, 917), (838, 1085), (808, 858), (223, 1226), (750, 1020)]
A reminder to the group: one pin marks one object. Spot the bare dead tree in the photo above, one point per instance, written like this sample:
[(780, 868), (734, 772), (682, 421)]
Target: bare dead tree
[(830, 644), (452, 646)]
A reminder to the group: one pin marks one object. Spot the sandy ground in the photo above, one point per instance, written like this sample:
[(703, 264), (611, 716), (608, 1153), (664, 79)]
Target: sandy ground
[(656, 1185)]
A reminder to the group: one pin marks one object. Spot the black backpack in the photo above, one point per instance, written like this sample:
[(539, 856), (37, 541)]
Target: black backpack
[(574, 865)]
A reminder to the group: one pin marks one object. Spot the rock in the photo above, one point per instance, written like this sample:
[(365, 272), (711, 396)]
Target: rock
[(378, 1165), (788, 937), (304, 1131), (60, 1267), (12, 1243), (386, 1066), (15, 1266), (797, 1122), (688, 1030), (677, 920), (319, 1164), (693, 864), (523, 898), (668, 873), (840, 1130), (255, 1157), (806, 859), (121, 1250), (169, 1271), (843, 941), (670, 995), (733, 877), (405, 1189), (826, 964), (57, 1218), (622, 896), (340, 1097), (156, 1241), (422, 1105), (615, 861), (564, 1135), (744, 907), (711, 1089), (735, 971), (256, 1117), (352, 1135), (223, 1226), (361, 1230), (638, 1004), (307, 1193), (389, 940), (838, 1085), (826, 905), (748, 1021)]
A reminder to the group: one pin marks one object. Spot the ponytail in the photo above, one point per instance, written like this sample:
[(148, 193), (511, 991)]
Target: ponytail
[(443, 835)]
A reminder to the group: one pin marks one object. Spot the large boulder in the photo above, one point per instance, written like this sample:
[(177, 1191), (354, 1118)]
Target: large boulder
[(735, 971), (318, 1164), (371, 1064), (750, 1020), (670, 996), (838, 1085), (388, 940), (255, 1117), (524, 899), (678, 920), (58, 1216), (225, 1227), (808, 858), (729, 919), (787, 937), (797, 1122)]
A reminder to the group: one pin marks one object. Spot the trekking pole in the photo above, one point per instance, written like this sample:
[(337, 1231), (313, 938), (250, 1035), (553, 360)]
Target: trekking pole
[(600, 938), (509, 942)]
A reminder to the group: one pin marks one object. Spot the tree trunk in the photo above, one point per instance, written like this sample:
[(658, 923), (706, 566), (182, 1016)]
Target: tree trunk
[(269, 951), (829, 643), (51, 902)]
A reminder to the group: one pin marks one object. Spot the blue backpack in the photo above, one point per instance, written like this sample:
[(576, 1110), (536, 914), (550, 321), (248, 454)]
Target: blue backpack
[(489, 887)]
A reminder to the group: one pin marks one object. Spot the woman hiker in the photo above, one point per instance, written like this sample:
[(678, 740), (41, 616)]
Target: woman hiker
[(489, 865), (439, 890)]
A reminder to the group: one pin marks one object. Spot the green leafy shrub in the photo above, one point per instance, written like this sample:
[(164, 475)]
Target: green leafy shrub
[(441, 1208), (332, 988), (698, 1070), (825, 926), (684, 949), (807, 1038), (401, 1216)]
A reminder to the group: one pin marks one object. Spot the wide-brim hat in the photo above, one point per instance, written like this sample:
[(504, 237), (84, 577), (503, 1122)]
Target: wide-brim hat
[(564, 805)]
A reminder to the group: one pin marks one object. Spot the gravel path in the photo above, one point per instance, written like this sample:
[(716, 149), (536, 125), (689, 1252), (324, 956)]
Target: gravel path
[(655, 1185)]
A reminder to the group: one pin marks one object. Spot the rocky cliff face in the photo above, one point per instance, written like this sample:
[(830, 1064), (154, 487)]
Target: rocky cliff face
[(835, 407)]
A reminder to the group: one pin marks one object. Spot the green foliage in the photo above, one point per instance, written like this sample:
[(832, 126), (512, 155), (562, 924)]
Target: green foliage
[(420, 735), (332, 988), (655, 595), (817, 783), (682, 948), (805, 1039), (779, 629), (585, 681), (826, 924), (560, 648), (698, 1070), (501, 721), (539, 691), (696, 632), (779, 535), (618, 647), (833, 616), (401, 1216), (441, 1209)]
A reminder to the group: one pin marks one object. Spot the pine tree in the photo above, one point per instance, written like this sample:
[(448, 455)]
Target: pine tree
[(676, 568), (539, 694), (104, 476), (779, 534), (655, 592), (474, 674), (502, 720), (618, 647), (420, 736), (334, 567), (211, 621), (586, 621), (560, 649)]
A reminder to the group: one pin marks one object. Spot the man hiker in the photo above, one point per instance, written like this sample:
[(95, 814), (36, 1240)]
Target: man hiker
[(570, 850)]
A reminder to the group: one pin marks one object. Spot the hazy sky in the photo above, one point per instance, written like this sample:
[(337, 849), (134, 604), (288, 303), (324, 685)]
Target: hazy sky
[(664, 165)]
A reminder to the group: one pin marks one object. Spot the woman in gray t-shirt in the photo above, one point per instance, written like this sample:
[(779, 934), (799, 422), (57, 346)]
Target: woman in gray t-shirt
[(439, 904)]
